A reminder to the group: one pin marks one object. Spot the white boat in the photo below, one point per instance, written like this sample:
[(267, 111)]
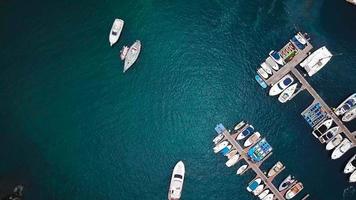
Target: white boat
[(263, 194), (340, 150), (272, 63), (294, 190), (258, 190), (115, 31), (239, 125), (132, 55), (300, 39), (352, 178), (351, 165), (266, 68), (317, 60), (220, 146), (276, 56), (281, 85), (253, 184), (346, 105), (241, 169), (275, 169), (233, 160), (269, 197), (231, 153), (288, 181), (218, 138), (334, 142), (123, 52), (252, 139), (322, 127), (349, 115), (177, 180), (246, 132), (287, 93), (262, 72), (329, 134)]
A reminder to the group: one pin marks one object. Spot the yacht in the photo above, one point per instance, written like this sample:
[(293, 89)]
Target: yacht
[(272, 63), (248, 131), (286, 183), (258, 190), (132, 55), (260, 81), (239, 125), (220, 146), (263, 194), (269, 197), (349, 115), (346, 105), (316, 61), (287, 93), (233, 160), (241, 169), (262, 73), (334, 142), (329, 134), (218, 138), (116, 31), (281, 85), (253, 185), (176, 186), (275, 169), (277, 57), (352, 178), (252, 139), (123, 52), (351, 165), (340, 150), (294, 190), (322, 127), (266, 68)]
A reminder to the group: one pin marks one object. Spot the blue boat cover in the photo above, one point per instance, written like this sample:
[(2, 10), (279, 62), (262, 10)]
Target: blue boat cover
[(220, 128), (287, 81), (276, 55), (260, 81), (224, 151)]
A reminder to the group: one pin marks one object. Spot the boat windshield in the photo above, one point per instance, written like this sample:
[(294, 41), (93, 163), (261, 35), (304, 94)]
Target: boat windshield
[(114, 33), (276, 55), (354, 162), (178, 176)]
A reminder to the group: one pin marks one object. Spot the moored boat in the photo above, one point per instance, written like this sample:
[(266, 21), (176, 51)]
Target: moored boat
[(253, 184), (351, 165), (275, 169), (266, 68), (352, 178), (252, 139), (177, 180), (287, 93), (258, 190), (322, 127), (346, 105), (340, 150), (246, 132), (220, 146), (262, 73), (132, 55), (123, 52), (329, 134), (295, 189), (239, 125), (269, 197), (316, 61), (241, 169), (281, 85), (260, 81), (233, 160), (288, 181), (226, 150), (272, 63), (276, 56), (349, 115), (334, 142), (263, 194), (115, 31), (231, 153), (218, 138)]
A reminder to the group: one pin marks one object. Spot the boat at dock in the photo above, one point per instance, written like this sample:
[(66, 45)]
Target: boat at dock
[(218, 138), (340, 150), (351, 165), (346, 105), (132, 55), (123, 52), (115, 31), (259, 151), (253, 185), (270, 62), (231, 153), (334, 142), (287, 93), (316, 61), (276, 56), (328, 135), (252, 139), (260, 81), (258, 190), (226, 150), (294, 190), (349, 115), (220, 146), (275, 169), (241, 169), (266, 68), (239, 125), (269, 197), (281, 85), (322, 127), (299, 41), (288, 181), (262, 73), (233, 160), (352, 178), (177, 180), (263, 194), (246, 132)]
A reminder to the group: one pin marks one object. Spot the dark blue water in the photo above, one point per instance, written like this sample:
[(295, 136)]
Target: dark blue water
[(74, 127)]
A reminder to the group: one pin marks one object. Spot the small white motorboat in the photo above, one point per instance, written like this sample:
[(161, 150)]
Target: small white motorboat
[(288, 181), (239, 125), (246, 132), (287, 93), (218, 138), (241, 169), (329, 134), (349, 115), (266, 68), (276, 56), (252, 139), (295, 189), (351, 165), (346, 105), (322, 127), (253, 184), (263, 194), (272, 63), (340, 150), (258, 190), (281, 85), (177, 180), (269, 197), (231, 153), (233, 160), (262, 72), (115, 31), (123, 52), (275, 169), (352, 178), (220, 146), (334, 142)]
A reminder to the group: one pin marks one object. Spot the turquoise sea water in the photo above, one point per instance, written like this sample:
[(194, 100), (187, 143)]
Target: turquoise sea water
[(74, 127)]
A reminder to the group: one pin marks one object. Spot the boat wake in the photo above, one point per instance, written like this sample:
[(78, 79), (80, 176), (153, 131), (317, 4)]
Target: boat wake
[(348, 193)]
